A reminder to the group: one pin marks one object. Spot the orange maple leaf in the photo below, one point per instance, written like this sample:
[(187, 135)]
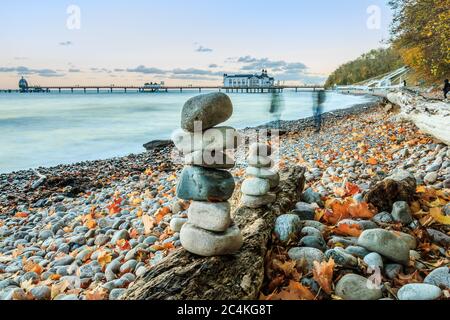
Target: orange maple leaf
[(346, 229), (360, 210), (323, 274), (372, 161), (21, 215), (295, 291)]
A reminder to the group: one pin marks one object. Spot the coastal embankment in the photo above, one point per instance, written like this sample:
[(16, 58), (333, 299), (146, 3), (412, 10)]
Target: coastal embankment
[(89, 230)]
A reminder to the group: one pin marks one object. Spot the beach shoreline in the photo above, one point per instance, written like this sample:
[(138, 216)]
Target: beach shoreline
[(83, 226)]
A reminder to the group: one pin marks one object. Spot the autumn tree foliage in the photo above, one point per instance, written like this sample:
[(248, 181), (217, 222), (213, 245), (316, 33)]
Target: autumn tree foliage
[(369, 65), (420, 33)]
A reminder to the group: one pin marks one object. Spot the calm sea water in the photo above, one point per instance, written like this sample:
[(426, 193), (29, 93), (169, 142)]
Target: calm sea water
[(50, 128)]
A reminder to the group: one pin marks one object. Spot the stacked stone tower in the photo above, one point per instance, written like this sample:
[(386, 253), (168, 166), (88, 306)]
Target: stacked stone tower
[(260, 178), (204, 180)]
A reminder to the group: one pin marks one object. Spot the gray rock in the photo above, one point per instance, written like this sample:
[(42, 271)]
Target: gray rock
[(287, 226), (401, 212), (213, 159), (116, 293), (141, 271), (128, 266), (255, 187), (203, 184), (385, 243), (419, 291), (310, 196), (64, 261), (374, 260), (45, 234), (341, 257), (313, 242), (150, 240), (439, 237), (430, 178), (362, 224), (355, 287), (446, 209), (101, 239), (310, 231), (392, 270), (407, 238), (210, 216), (260, 161), (177, 223), (383, 217), (268, 174), (257, 202), (207, 243), (357, 251), (67, 297), (211, 109), (305, 211), (119, 235), (41, 293), (439, 277), (307, 256)]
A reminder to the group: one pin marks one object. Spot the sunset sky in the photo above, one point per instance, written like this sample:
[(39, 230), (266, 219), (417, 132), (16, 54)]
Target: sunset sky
[(180, 41)]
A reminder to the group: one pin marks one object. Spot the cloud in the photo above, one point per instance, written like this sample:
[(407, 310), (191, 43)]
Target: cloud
[(203, 49), (119, 70), (21, 70), (213, 65), (21, 58), (66, 43), (145, 70), (74, 70)]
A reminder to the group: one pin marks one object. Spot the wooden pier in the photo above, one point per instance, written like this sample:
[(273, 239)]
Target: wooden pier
[(154, 89)]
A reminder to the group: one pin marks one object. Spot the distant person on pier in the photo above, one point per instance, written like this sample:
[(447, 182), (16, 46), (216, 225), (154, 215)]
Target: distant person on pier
[(318, 101), (276, 108), (446, 88)]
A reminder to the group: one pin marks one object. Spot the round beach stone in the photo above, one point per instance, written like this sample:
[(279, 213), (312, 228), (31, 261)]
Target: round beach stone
[(259, 149), (260, 161), (401, 212), (218, 138), (287, 226), (385, 243), (305, 211), (206, 243), (203, 184), (313, 242), (306, 255), (310, 196), (177, 223), (210, 216), (211, 109), (439, 277), (209, 159), (341, 257), (41, 293), (273, 177), (356, 287), (419, 291), (255, 187), (374, 260), (257, 201)]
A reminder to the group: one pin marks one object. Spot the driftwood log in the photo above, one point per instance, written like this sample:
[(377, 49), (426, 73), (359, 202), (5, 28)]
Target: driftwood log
[(185, 276), (430, 116)]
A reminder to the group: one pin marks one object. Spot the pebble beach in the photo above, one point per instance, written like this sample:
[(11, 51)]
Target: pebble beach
[(86, 231)]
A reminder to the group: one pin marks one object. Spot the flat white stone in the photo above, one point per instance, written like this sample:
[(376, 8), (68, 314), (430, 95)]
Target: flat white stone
[(218, 138), (259, 149), (209, 159), (206, 243), (257, 202), (272, 176), (260, 161), (255, 186), (210, 216)]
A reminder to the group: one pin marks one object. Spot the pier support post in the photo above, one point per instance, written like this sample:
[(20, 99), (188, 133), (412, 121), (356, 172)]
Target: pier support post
[(111, 89), (125, 90), (59, 90), (71, 89), (98, 90), (84, 89)]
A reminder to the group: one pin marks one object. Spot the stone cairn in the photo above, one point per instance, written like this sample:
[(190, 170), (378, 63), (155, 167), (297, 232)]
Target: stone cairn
[(209, 230), (260, 178)]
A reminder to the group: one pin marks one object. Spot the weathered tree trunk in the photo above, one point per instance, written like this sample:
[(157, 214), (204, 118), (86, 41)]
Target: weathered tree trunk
[(430, 116), (183, 275)]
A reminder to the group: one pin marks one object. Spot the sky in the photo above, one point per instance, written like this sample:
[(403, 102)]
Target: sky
[(182, 42)]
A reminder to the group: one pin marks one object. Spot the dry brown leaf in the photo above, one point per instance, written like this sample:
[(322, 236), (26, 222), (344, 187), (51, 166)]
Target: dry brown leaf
[(148, 223), (323, 274), (295, 291)]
